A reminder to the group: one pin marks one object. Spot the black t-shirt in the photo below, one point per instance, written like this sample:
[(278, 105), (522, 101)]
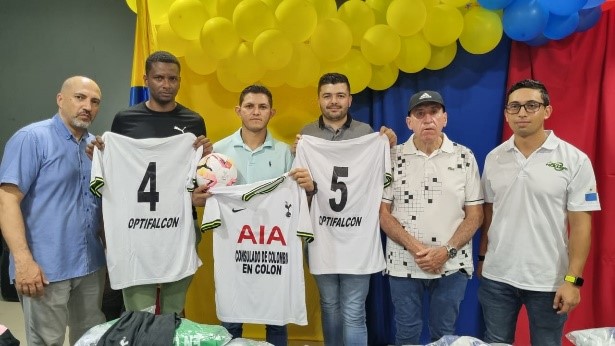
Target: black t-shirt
[(141, 122)]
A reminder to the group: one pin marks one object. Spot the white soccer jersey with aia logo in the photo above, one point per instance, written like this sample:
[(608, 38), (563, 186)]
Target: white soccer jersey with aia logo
[(145, 188), (258, 262), (351, 175)]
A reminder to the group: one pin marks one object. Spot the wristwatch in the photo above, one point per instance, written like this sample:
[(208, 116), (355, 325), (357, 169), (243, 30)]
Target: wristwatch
[(575, 280), (451, 251)]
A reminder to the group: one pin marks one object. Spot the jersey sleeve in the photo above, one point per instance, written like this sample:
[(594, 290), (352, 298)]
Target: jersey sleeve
[(211, 215), (97, 179), (388, 176), (305, 228), (191, 178)]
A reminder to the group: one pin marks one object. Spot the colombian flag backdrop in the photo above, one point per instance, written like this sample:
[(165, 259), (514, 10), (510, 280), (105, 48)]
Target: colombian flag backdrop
[(579, 72)]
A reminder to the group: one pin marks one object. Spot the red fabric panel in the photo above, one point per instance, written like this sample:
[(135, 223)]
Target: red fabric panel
[(579, 73)]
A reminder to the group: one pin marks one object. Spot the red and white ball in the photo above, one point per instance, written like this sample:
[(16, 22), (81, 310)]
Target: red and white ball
[(216, 169)]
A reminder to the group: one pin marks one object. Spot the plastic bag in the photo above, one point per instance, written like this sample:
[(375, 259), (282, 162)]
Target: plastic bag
[(454, 340), (593, 337)]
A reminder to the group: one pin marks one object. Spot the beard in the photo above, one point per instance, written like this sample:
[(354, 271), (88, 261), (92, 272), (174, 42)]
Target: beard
[(80, 124)]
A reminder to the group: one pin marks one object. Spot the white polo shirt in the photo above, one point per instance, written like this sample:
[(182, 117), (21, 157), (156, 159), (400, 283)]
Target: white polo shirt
[(428, 194), (528, 241)]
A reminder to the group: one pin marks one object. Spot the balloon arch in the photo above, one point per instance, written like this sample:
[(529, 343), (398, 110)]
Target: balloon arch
[(292, 42)]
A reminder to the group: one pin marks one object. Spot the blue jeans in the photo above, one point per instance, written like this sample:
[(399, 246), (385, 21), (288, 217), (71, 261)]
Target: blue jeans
[(276, 335), (342, 303), (446, 294), (501, 304)]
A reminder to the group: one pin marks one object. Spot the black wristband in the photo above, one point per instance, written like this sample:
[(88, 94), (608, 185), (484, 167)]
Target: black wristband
[(481, 258), (313, 192)]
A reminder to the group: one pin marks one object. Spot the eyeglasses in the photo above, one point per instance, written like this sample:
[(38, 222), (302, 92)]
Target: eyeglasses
[(530, 107)]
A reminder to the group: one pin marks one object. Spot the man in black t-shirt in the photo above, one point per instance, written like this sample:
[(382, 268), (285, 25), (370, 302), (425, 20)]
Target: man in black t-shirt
[(160, 116)]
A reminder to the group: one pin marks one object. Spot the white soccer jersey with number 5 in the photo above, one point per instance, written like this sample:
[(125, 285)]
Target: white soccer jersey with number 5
[(351, 175), (145, 187)]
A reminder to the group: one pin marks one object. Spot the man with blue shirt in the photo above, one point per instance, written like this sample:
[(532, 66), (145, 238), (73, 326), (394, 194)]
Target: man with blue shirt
[(258, 156), (51, 222)]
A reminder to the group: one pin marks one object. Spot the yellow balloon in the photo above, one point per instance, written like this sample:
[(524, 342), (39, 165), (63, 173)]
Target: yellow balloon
[(383, 77), (414, 54), (167, 39), (273, 4), (331, 40), (380, 44), (226, 8), (158, 10), (227, 77), (455, 3), (198, 61), (441, 56), (379, 7), (252, 17), (482, 31), (325, 9), (355, 67), (406, 17), (272, 49), (358, 16), (274, 78), (443, 25), (211, 6), (297, 19), (247, 68), (187, 17), (132, 4), (219, 38), (304, 67)]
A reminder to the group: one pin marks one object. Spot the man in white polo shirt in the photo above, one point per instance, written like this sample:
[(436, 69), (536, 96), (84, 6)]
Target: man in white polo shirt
[(429, 214), (536, 187)]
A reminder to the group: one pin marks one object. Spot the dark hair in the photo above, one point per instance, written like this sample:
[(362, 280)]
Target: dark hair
[(256, 89), (160, 56), (530, 84), (333, 78)]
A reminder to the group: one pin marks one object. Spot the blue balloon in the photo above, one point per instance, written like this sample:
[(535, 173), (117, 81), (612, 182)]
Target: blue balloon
[(563, 7), (538, 41), (588, 18), (524, 20), (494, 4), (559, 27), (592, 3)]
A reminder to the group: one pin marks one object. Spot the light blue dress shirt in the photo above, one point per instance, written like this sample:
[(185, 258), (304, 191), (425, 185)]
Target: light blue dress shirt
[(268, 161), (62, 217)]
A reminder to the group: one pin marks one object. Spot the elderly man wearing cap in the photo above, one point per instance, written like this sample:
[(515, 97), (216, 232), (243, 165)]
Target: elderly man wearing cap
[(429, 214)]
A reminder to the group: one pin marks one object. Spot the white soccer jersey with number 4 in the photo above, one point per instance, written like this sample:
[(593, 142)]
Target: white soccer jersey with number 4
[(351, 175), (258, 261), (145, 188)]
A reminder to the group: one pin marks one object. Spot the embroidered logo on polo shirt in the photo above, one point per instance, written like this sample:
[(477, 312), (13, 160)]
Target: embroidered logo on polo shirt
[(558, 166)]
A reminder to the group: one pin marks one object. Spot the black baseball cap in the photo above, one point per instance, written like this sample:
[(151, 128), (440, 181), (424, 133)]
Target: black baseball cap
[(423, 97)]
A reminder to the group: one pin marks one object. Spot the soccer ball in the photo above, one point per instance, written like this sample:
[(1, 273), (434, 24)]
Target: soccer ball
[(215, 169)]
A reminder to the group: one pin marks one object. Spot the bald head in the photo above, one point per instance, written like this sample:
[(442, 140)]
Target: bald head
[(76, 81), (78, 103)]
